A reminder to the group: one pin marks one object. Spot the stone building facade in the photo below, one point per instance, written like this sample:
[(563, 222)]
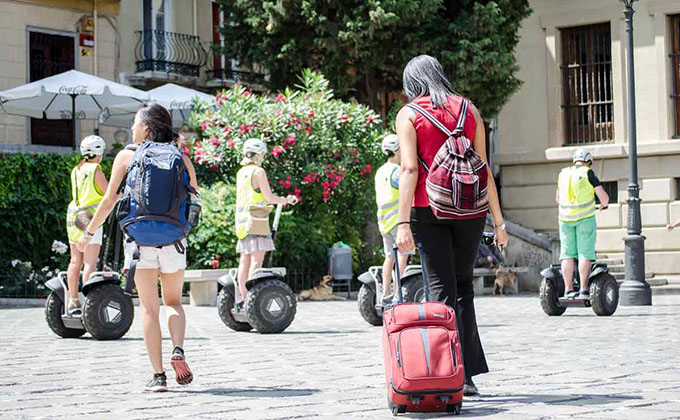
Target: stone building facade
[(142, 43), (572, 61)]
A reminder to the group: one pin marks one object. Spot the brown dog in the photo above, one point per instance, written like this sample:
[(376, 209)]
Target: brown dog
[(322, 291), (504, 281)]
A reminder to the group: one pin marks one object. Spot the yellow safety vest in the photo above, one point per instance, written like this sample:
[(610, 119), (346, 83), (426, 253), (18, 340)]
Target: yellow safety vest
[(576, 194), (387, 198), (85, 195), (252, 210)]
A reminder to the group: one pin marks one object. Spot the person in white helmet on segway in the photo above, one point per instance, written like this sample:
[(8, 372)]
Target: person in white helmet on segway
[(577, 187), (387, 200), (253, 197), (88, 185)]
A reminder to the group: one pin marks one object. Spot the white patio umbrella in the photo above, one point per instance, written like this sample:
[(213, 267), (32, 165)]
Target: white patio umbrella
[(177, 99), (70, 95)]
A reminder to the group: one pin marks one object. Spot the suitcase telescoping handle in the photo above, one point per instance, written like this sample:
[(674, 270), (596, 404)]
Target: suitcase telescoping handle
[(426, 286)]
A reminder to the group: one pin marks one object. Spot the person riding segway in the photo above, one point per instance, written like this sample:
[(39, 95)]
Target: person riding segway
[(252, 297), (107, 313), (88, 185), (563, 285)]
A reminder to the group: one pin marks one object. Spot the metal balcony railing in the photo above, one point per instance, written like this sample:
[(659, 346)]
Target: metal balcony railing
[(229, 74), (169, 52)]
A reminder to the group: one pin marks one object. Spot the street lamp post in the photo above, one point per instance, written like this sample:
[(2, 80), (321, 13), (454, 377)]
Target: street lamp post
[(634, 291)]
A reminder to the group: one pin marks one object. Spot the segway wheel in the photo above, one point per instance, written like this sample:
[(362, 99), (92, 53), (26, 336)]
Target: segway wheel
[(270, 306), (225, 303), (54, 308), (549, 296), (366, 301), (413, 290), (604, 295), (108, 312)]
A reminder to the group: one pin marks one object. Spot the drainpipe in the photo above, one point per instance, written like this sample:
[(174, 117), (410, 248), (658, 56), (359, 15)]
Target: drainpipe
[(194, 7), (94, 54)]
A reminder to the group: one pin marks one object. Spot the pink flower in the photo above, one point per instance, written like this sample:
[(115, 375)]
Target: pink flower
[(286, 185), (204, 125), (185, 150), (215, 264), (290, 140), (297, 191), (214, 141), (230, 143), (280, 98), (309, 128), (213, 168), (369, 119), (310, 114), (246, 93), (276, 151), (355, 152), (199, 152)]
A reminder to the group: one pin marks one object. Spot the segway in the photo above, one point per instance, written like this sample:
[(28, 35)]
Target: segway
[(107, 311), (269, 307), (371, 291), (604, 291)]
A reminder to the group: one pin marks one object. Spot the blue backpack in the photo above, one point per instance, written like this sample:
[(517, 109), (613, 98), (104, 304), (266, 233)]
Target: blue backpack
[(155, 205)]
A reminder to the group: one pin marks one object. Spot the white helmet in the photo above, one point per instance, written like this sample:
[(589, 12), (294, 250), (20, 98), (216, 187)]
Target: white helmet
[(92, 145), (390, 144), (256, 146), (582, 155)]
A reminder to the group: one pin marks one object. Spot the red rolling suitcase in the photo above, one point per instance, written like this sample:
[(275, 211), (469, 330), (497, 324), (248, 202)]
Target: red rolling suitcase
[(423, 358)]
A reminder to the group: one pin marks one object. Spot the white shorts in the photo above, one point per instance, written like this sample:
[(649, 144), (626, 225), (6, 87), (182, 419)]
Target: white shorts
[(96, 238), (166, 259)]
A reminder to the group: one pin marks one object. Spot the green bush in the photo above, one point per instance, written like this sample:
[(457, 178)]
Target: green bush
[(34, 194), (321, 149)]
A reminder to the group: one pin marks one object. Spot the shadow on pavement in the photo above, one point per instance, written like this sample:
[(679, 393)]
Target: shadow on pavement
[(469, 412), (568, 399), (253, 392), (321, 332), (164, 338)]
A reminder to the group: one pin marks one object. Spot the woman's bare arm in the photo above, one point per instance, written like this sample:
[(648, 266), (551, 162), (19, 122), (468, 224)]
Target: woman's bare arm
[(479, 144), (261, 183), (192, 173), (408, 178), (100, 180), (120, 165)]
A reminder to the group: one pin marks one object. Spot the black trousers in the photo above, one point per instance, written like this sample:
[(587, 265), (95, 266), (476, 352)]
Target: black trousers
[(450, 249)]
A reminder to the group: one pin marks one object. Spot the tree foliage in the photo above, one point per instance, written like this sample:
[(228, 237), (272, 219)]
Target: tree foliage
[(362, 46), (320, 149)]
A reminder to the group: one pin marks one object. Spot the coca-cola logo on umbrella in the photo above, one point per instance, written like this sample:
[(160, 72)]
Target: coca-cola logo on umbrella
[(67, 115), (73, 90), (181, 104)]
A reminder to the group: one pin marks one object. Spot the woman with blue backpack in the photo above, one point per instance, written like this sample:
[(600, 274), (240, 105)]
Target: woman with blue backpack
[(445, 192), (155, 212)]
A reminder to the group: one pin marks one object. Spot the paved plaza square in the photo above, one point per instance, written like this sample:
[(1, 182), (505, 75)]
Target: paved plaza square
[(328, 365)]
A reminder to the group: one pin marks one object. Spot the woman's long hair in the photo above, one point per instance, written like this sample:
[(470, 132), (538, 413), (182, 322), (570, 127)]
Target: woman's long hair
[(159, 122), (424, 76)]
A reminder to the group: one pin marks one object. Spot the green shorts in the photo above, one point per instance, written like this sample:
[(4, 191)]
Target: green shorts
[(577, 239)]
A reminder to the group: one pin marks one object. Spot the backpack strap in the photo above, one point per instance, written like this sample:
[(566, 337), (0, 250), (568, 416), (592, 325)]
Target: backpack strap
[(462, 116)]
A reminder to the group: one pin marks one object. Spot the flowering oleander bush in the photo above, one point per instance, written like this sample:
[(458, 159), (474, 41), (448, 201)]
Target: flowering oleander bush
[(321, 149)]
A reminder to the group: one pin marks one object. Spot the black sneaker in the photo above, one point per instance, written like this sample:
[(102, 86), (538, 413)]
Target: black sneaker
[(159, 383), (469, 389), (584, 294), (570, 294)]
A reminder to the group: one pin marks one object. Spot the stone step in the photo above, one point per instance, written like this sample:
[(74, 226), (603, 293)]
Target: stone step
[(610, 261), (652, 281), (670, 289), (617, 268), (621, 276)]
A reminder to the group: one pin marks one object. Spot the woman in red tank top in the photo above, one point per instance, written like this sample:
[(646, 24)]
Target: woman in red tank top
[(449, 245)]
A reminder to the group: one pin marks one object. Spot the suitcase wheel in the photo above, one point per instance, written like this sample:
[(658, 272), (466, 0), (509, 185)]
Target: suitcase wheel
[(454, 408), (395, 408)]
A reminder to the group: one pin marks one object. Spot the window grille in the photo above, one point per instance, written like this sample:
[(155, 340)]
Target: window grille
[(675, 64), (588, 103)]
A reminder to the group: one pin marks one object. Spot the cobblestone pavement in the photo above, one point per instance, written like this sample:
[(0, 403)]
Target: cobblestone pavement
[(329, 365)]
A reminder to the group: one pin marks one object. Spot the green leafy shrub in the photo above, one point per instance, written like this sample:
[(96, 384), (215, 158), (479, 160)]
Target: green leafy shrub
[(34, 193), (321, 149)]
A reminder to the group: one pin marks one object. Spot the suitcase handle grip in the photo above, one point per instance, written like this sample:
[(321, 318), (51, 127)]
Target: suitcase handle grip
[(426, 286)]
